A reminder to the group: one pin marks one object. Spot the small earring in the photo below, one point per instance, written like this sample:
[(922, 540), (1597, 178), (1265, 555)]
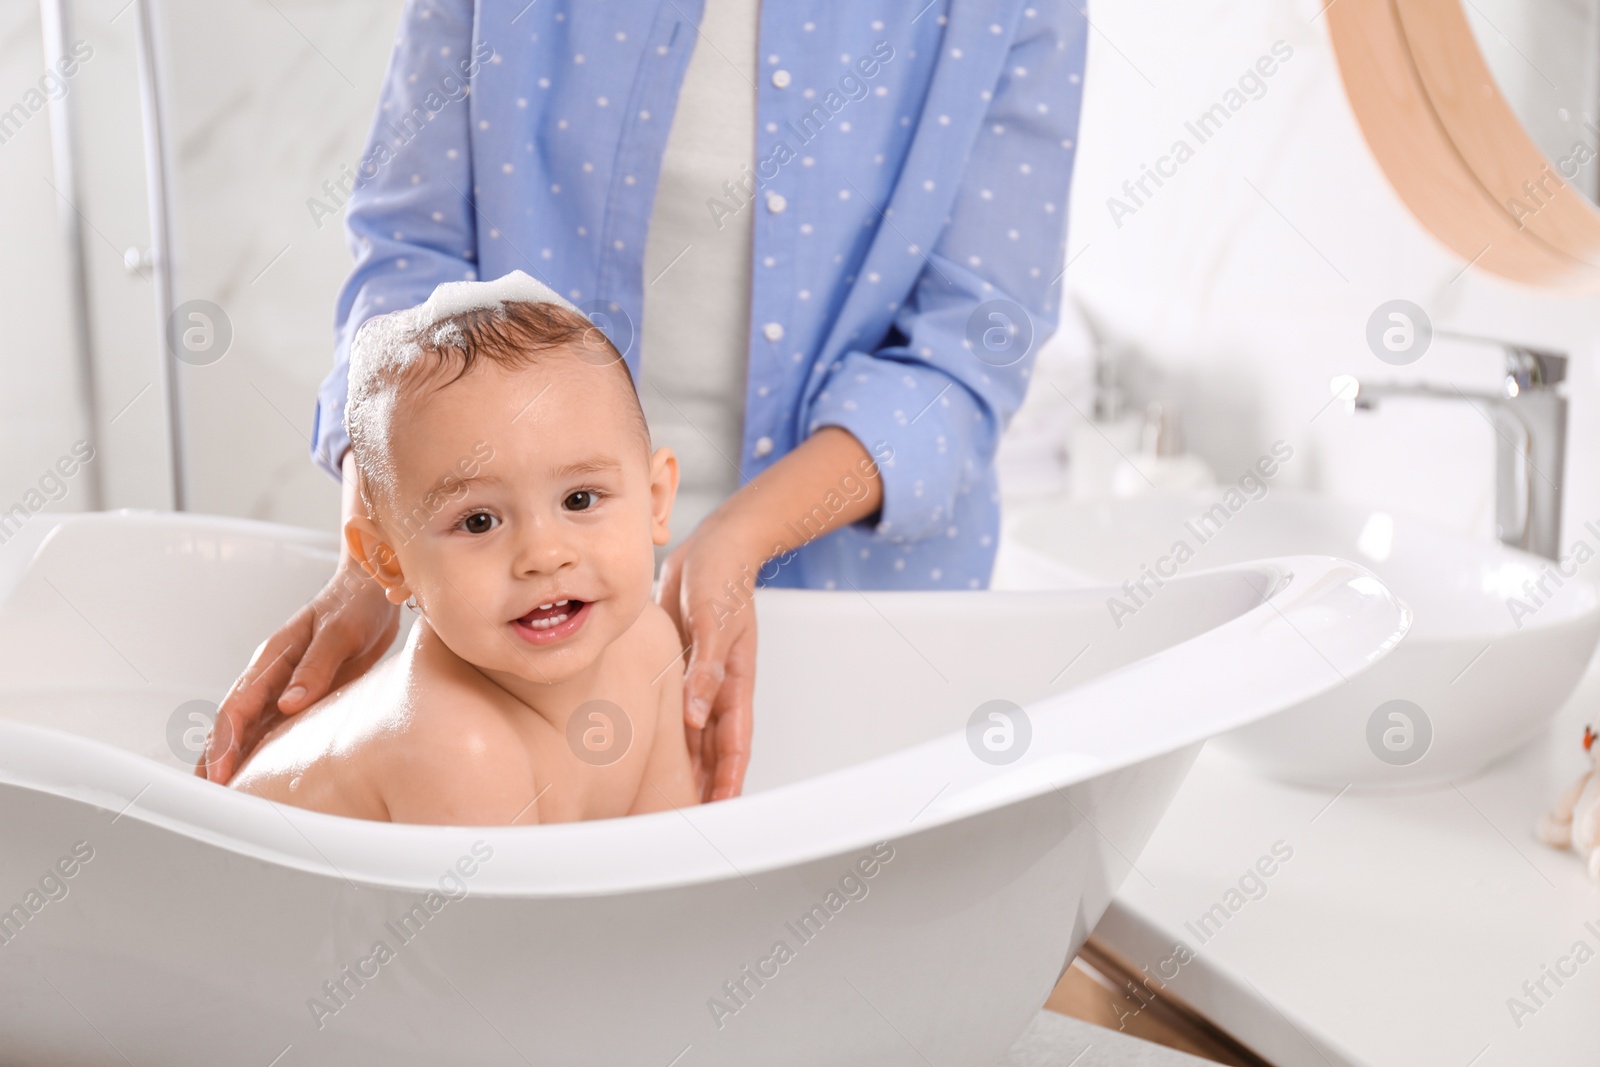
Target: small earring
[(411, 602)]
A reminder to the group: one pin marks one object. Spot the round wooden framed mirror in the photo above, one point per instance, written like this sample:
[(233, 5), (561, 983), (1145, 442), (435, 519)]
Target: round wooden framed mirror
[(1455, 150)]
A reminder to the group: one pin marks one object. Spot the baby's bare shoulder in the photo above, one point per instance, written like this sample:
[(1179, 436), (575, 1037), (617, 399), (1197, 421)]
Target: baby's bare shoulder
[(318, 759), (415, 740), (657, 633), (456, 758), (450, 716)]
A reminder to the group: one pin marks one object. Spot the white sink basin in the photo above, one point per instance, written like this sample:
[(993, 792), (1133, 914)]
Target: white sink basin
[(1474, 680)]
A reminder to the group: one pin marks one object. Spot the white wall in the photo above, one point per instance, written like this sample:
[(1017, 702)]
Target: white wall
[(268, 101), (1246, 281)]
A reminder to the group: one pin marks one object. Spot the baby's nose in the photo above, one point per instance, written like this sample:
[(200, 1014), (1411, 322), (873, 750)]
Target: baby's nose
[(545, 547)]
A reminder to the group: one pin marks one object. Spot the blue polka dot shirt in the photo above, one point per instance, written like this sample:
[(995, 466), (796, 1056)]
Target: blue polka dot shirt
[(909, 193)]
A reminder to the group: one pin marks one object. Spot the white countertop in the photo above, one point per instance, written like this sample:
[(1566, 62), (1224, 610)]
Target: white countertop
[(1397, 930)]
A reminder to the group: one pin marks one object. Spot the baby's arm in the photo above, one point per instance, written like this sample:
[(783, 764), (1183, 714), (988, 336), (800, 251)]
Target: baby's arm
[(668, 780)]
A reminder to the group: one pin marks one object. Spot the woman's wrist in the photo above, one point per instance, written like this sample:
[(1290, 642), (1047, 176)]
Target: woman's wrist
[(803, 496), (740, 528)]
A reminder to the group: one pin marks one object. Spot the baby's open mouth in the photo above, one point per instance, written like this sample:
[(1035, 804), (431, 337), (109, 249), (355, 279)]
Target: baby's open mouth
[(554, 622), (549, 616)]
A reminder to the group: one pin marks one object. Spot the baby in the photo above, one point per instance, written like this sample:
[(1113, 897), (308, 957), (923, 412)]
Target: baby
[(511, 492)]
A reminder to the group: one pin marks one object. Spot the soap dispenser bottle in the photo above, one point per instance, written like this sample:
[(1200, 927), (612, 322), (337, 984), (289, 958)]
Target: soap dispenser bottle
[(1162, 462), (1099, 443)]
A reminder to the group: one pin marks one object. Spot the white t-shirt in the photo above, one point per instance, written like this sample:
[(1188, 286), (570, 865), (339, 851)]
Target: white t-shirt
[(693, 355)]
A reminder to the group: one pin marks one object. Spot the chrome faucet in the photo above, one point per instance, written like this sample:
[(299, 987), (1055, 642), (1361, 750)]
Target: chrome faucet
[(1530, 421)]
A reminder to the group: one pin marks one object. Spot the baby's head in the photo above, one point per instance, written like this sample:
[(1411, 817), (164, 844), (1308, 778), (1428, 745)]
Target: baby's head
[(504, 463)]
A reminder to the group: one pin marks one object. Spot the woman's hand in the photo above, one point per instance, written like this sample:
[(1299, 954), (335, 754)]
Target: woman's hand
[(343, 631), (706, 584)]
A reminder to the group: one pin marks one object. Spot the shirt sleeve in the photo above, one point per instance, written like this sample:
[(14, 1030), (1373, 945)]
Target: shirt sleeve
[(956, 363), (409, 217)]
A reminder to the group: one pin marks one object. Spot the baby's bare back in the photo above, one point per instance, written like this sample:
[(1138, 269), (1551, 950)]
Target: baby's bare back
[(424, 737)]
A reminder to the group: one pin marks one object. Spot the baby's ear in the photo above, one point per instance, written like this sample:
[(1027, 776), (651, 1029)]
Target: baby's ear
[(370, 548), (663, 491)]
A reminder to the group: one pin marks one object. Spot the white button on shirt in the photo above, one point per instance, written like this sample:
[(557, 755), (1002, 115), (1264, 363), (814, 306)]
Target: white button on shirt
[(780, 78), (776, 203), (773, 331)]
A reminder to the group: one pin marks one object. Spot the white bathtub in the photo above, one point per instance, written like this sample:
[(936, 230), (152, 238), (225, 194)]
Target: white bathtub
[(201, 926)]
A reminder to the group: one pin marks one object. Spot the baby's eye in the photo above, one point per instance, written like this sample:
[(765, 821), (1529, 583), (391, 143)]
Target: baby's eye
[(586, 500), (479, 522)]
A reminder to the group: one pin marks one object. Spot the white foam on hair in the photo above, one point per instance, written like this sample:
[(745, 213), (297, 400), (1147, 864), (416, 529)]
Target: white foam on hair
[(389, 342), (454, 298)]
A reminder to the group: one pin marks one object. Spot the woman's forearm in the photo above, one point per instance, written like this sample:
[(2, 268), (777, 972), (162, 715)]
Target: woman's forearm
[(828, 482)]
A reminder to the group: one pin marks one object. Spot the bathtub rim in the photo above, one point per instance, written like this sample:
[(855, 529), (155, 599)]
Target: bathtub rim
[(736, 838)]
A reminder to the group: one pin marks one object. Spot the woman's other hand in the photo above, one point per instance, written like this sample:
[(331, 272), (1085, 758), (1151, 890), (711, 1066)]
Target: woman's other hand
[(706, 585), (335, 638), (343, 631)]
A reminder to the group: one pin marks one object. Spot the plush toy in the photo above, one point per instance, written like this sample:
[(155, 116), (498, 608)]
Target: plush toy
[(1575, 820)]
